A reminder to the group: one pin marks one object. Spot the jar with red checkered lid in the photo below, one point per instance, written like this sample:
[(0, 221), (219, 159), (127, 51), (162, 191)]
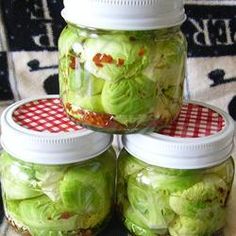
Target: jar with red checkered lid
[(177, 182), (122, 63), (57, 177)]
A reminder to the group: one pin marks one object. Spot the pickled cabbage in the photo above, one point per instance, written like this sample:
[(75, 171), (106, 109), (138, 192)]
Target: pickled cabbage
[(58, 199), (134, 79), (160, 201)]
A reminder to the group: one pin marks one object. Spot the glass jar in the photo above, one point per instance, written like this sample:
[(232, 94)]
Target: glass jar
[(126, 76), (177, 182), (57, 178)]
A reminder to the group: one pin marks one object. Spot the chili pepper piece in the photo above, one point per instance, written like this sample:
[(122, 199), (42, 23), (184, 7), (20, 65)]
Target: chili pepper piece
[(65, 215), (141, 52), (72, 64), (120, 62)]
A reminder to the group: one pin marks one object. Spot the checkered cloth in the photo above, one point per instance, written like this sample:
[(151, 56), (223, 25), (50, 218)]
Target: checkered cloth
[(195, 121), (44, 115)]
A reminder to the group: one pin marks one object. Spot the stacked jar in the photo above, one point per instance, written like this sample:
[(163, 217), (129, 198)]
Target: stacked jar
[(121, 71), (122, 63), (57, 177), (177, 182)]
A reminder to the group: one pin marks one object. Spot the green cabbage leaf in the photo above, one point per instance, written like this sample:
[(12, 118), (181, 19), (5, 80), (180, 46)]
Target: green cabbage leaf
[(204, 199), (131, 100), (114, 57)]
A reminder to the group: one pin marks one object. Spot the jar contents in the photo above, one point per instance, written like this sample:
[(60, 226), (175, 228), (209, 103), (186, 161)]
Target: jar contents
[(122, 81), (160, 201), (71, 199)]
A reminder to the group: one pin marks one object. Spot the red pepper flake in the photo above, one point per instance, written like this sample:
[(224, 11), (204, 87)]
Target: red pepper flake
[(65, 215), (99, 120), (94, 119), (99, 58), (106, 58), (141, 52), (120, 62), (72, 64), (68, 106)]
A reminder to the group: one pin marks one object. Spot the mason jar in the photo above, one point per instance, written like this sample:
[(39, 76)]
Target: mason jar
[(57, 177), (177, 182), (122, 63)]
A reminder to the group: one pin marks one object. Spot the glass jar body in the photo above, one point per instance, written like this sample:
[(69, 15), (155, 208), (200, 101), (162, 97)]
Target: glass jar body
[(159, 201), (122, 81), (71, 199)]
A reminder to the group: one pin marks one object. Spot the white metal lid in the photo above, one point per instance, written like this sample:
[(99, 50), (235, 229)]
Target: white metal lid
[(38, 131), (201, 136), (124, 14)]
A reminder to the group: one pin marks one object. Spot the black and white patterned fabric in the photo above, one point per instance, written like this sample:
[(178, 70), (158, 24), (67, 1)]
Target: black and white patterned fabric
[(211, 33), (29, 30)]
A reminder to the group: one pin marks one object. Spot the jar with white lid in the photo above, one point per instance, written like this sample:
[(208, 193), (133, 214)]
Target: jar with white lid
[(57, 177), (177, 182), (122, 63)]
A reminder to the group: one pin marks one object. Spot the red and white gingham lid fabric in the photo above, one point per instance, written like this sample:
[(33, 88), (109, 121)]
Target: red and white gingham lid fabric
[(44, 115), (38, 130), (200, 137), (195, 121)]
